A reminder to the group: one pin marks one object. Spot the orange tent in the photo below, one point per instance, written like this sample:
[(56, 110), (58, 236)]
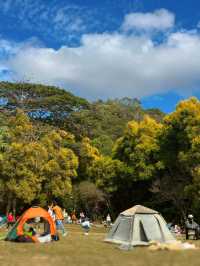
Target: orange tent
[(33, 212)]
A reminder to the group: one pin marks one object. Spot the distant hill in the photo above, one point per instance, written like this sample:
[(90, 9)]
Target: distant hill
[(102, 121)]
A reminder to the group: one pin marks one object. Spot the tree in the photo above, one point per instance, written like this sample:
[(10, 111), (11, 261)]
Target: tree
[(21, 161), (33, 166), (87, 155), (104, 144), (89, 198), (61, 164), (40, 102), (179, 155), (138, 148)]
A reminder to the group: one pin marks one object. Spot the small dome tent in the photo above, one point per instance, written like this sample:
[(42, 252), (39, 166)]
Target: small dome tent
[(30, 214), (138, 226)]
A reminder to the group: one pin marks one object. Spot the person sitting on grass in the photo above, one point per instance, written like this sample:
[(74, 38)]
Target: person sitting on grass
[(28, 236), (31, 232)]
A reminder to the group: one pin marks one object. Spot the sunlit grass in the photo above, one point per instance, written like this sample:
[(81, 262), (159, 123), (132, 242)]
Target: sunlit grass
[(78, 249)]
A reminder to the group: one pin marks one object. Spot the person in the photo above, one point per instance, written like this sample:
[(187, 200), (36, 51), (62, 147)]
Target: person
[(31, 232), (65, 215), (82, 217), (73, 216), (69, 219), (37, 223), (10, 220), (59, 218), (191, 225), (86, 225), (108, 220), (177, 230), (51, 212)]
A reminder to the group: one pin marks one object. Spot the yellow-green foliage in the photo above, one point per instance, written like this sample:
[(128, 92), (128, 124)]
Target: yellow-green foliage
[(138, 147), (31, 166)]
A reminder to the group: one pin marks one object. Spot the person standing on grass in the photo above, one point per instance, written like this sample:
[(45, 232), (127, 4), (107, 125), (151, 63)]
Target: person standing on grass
[(108, 220), (65, 215), (10, 220), (59, 218), (73, 216), (51, 212)]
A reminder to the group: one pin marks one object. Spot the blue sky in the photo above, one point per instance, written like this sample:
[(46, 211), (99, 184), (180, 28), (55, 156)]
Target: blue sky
[(105, 49)]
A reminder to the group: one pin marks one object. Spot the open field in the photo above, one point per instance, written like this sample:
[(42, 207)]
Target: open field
[(77, 249)]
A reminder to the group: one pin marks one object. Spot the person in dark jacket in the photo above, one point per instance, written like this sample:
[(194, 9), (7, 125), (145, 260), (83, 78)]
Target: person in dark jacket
[(191, 225)]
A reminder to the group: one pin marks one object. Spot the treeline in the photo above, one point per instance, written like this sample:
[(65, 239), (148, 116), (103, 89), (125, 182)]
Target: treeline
[(97, 157)]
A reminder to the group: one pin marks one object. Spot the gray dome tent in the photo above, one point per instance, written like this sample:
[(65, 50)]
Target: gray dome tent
[(138, 226)]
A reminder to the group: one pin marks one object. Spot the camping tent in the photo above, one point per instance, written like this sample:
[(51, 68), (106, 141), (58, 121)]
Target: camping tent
[(29, 215), (3, 220), (138, 226)]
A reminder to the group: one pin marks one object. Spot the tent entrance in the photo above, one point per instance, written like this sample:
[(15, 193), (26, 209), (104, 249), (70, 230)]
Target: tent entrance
[(39, 225), (143, 236), (151, 227)]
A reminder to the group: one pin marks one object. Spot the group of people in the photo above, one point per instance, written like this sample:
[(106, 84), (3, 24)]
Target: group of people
[(61, 217), (191, 229)]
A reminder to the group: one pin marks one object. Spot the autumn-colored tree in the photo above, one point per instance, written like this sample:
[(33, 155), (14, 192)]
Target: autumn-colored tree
[(88, 154), (138, 148), (35, 168), (61, 164), (21, 162)]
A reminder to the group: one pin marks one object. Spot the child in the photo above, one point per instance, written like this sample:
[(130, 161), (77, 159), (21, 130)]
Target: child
[(86, 225)]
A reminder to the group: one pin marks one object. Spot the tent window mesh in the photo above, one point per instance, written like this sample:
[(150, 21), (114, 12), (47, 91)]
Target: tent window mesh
[(123, 231)]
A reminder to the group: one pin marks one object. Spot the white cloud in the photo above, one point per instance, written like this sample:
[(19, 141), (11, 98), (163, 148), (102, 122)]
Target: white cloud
[(114, 64), (160, 19)]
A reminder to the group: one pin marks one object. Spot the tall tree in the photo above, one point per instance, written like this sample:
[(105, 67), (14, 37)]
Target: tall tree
[(179, 155), (61, 164)]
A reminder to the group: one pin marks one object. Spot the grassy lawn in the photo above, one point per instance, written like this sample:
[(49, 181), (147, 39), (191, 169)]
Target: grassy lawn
[(78, 249)]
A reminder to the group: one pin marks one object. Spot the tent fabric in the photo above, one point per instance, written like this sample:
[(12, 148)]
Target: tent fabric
[(135, 227), (34, 212), (3, 220), (138, 209)]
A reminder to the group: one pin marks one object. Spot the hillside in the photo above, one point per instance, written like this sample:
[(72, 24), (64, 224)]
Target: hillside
[(101, 121)]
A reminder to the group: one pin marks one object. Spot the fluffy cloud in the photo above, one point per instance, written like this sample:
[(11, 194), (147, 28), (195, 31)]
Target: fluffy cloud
[(161, 19), (115, 64)]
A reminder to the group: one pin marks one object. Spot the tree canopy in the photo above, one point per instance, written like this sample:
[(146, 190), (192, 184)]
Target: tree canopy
[(97, 156)]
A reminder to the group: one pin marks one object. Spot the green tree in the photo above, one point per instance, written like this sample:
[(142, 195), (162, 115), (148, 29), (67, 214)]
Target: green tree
[(89, 199), (179, 155)]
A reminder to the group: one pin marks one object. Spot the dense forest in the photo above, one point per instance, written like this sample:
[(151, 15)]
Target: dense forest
[(98, 157)]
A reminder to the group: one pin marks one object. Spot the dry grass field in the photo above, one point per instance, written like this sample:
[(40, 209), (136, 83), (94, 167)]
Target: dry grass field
[(76, 249)]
